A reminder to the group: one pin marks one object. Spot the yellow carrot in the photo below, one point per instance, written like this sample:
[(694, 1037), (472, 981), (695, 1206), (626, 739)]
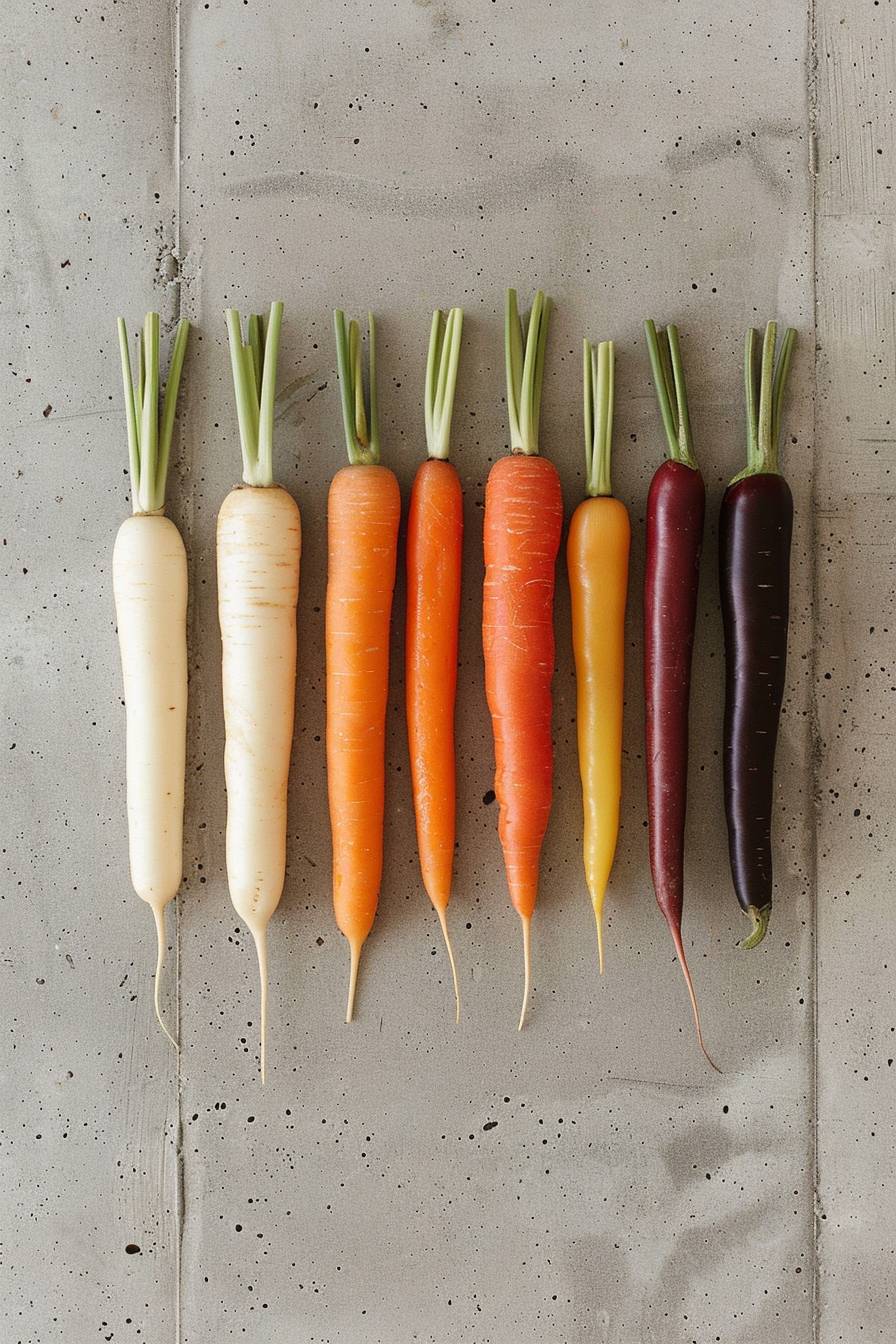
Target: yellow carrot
[(597, 558)]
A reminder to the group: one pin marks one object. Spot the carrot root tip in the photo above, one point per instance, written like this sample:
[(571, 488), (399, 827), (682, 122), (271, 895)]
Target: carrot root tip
[(527, 966), (353, 981), (444, 923), (159, 916), (598, 919), (760, 919), (682, 961), (261, 949)]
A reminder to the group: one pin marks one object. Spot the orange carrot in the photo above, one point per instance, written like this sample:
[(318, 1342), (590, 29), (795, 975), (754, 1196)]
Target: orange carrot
[(523, 521), (435, 535), (362, 520)]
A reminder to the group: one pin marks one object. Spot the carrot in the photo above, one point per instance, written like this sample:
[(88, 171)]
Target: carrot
[(597, 559), (523, 521), (149, 575), (755, 528), (259, 547), (675, 509), (362, 540), (435, 535)]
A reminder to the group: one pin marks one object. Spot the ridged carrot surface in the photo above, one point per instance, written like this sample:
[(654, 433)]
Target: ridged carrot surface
[(362, 534), (597, 558), (523, 521), (435, 534)]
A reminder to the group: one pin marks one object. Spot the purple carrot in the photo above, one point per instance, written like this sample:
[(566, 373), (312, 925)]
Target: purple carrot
[(675, 509), (755, 526)]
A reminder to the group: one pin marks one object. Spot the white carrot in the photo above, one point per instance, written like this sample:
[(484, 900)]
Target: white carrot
[(259, 545), (149, 573)]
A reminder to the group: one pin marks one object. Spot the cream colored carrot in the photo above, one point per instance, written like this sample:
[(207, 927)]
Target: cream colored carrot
[(259, 546), (149, 576)]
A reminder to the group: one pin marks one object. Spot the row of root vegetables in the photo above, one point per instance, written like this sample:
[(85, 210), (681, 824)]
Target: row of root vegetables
[(258, 551)]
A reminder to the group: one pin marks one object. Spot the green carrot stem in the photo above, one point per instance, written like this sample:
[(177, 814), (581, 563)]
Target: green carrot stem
[(255, 342), (169, 406), (149, 409), (765, 400), (671, 390), (752, 397), (149, 435), (780, 386), (362, 443), (513, 361), (441, 379), (130, 413), (373, 394), (268, 386), (524, 362), (588, 407), (598, 373), (766, 384), (254, 366)]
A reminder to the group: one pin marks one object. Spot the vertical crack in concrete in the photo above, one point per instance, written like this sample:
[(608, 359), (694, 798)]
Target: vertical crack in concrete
[(179, 1193), (815, 747)]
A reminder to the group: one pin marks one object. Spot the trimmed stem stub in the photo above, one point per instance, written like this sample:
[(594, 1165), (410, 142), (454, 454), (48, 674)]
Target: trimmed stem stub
[(361, 421), (597, 368), (149, 434), (524, 361), (254, 365), (441, 379), (760, 919), (764, 392), (671, 390)]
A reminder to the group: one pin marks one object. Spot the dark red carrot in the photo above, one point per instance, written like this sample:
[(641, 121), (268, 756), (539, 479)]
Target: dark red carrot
[(675, 508), (755, 526)]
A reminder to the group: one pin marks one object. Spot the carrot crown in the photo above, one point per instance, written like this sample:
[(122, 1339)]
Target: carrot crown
[(671, 391), (765, 399), (362, 425), (524, 358), (598, 372), (441, 379), (254, 367), (149, 439)]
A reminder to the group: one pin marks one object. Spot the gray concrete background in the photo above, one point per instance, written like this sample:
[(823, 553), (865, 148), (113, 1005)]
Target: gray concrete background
[(404, 1180)]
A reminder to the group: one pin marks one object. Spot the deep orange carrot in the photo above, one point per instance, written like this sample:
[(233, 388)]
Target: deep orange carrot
[(434, 543), (523, 521), (362, 533)]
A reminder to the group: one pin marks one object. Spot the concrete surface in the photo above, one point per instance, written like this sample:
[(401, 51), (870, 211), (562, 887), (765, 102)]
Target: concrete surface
[(403, 1180)]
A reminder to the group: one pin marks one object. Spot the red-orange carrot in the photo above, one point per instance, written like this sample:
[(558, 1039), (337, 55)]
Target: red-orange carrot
[(523, 521), (362, 521), (435, 534)]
